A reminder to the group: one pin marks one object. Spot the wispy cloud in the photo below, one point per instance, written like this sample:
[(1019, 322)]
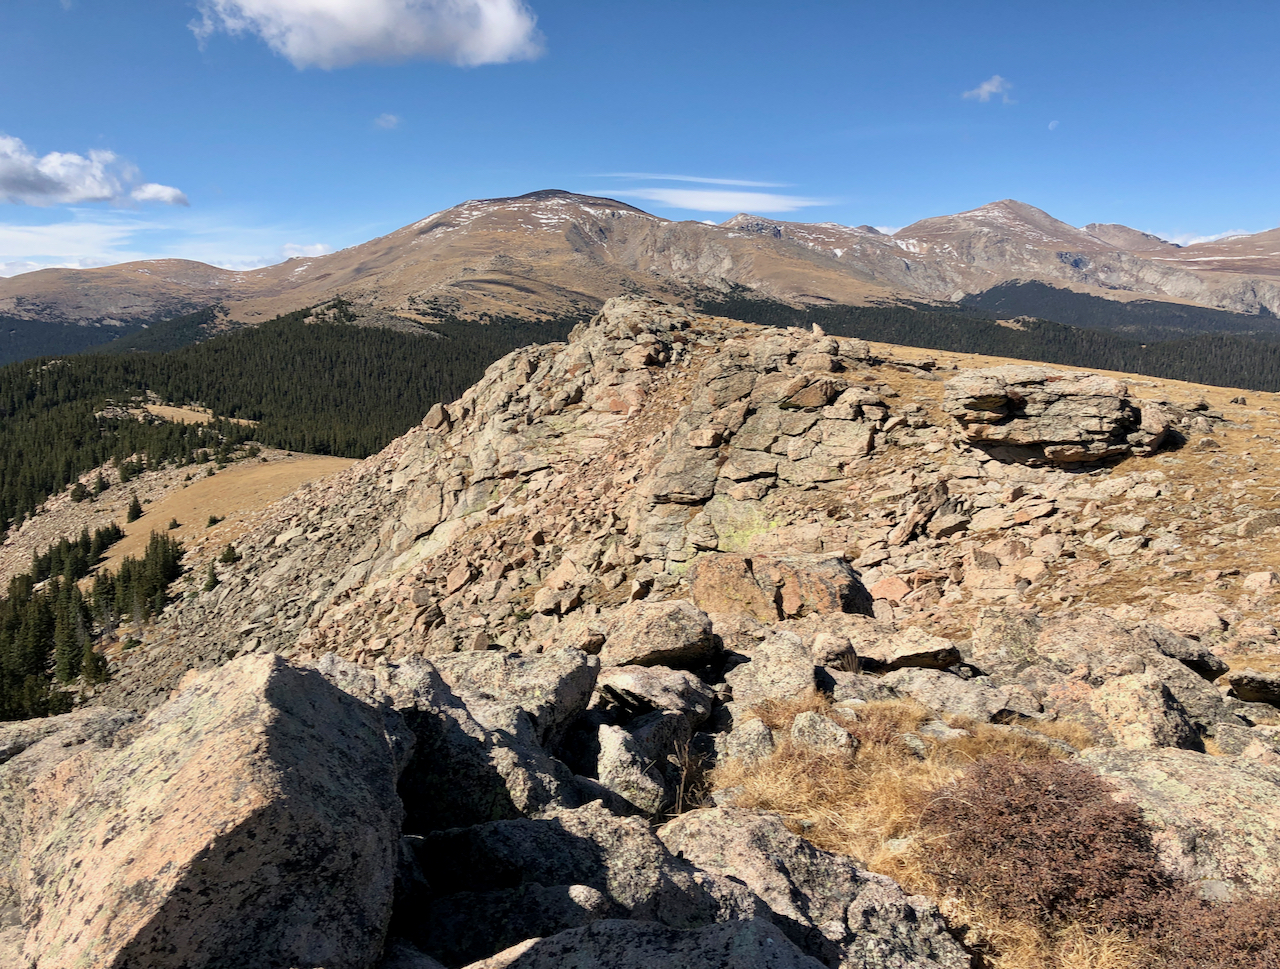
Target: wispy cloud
[(387, 121), (67, 178), (649, 176), (992, 86), (338, 33), (1053, 126), (711, 200), (1191, 238), (92, 237), (293, 251)]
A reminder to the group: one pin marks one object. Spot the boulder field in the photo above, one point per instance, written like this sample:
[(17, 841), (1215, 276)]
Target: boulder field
[(446, 708)]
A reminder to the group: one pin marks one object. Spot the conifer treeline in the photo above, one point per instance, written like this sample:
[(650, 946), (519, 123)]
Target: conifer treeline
[(48, 626), (1227, 360), (324, 388)]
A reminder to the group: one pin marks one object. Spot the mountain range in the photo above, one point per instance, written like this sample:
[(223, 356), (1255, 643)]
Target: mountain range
[(552, 254)]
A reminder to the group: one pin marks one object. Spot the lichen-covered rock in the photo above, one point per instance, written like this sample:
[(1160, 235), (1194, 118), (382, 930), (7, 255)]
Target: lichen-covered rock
[(724, 583), (1215, 817), (826, 905), (465, 770), (31, 750), (641, 689), (1253, 686), (252, 820), (544, 876), (779, 668)]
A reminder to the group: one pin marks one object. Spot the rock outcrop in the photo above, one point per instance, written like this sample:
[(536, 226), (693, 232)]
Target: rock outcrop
[(252, 820), (1031, 414)]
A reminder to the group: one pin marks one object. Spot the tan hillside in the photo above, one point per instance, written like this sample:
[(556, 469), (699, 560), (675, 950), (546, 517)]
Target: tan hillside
[(554, 253)]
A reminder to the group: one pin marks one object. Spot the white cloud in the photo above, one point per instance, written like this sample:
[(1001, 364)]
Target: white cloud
[(993, 85), (338, 33), (292, 251), (72, 245), (151, 192), (387, 121), (710, 200), (65, 178), (888, 229), (1190, 238), (694, 178)]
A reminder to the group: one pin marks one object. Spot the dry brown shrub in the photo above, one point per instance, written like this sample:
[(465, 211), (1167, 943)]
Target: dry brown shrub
[(1046, 842), (1239, 934)]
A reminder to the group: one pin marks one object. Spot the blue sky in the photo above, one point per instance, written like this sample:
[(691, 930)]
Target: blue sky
[(239, 132)]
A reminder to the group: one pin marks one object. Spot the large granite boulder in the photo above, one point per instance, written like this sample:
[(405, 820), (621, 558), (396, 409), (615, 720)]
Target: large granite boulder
[(250, 821), (1035, 415), (825, 904), (1215, 818)]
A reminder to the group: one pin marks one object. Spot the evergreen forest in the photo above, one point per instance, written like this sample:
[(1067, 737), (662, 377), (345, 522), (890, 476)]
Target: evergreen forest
[(48, 624), (322, 388), (1223, 359)]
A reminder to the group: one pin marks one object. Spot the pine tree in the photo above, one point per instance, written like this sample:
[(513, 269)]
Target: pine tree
[(135, 510), (211, 579)]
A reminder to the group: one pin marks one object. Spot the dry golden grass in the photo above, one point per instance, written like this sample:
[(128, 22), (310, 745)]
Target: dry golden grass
[(867, 804), (1017, 944), (232, 494)]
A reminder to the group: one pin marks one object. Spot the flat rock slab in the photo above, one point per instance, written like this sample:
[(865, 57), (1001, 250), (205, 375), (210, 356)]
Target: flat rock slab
[(673, 633), (251, 821)]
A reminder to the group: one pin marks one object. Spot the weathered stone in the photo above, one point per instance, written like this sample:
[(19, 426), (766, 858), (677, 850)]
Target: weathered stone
[(552, 689), (812, 729), (31, 750), (251, 820), (780, 667), (1253, 686), (724, 583), (977, 698), (673, 633), (641, 761), (805, 584), (641, 689), (747, 944), (834, 911), (575, 867), (1215, 818), (750, 741), (906, 647), (463, 771), (890, 588), (1036, 415)]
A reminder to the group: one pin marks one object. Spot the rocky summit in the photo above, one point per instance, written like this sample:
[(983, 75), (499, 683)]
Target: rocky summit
[(455, 706)]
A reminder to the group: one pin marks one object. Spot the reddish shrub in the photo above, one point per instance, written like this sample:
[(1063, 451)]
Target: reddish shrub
[(1046, 841)]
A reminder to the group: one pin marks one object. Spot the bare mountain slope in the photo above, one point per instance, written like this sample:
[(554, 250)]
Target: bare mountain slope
[(553, 253)]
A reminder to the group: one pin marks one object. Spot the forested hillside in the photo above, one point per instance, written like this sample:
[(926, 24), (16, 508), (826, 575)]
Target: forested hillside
[(1227, 360), (1141, 319), (324, 388)]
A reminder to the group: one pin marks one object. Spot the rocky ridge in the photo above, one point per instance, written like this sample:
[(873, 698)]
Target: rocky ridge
[(537, 609)]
